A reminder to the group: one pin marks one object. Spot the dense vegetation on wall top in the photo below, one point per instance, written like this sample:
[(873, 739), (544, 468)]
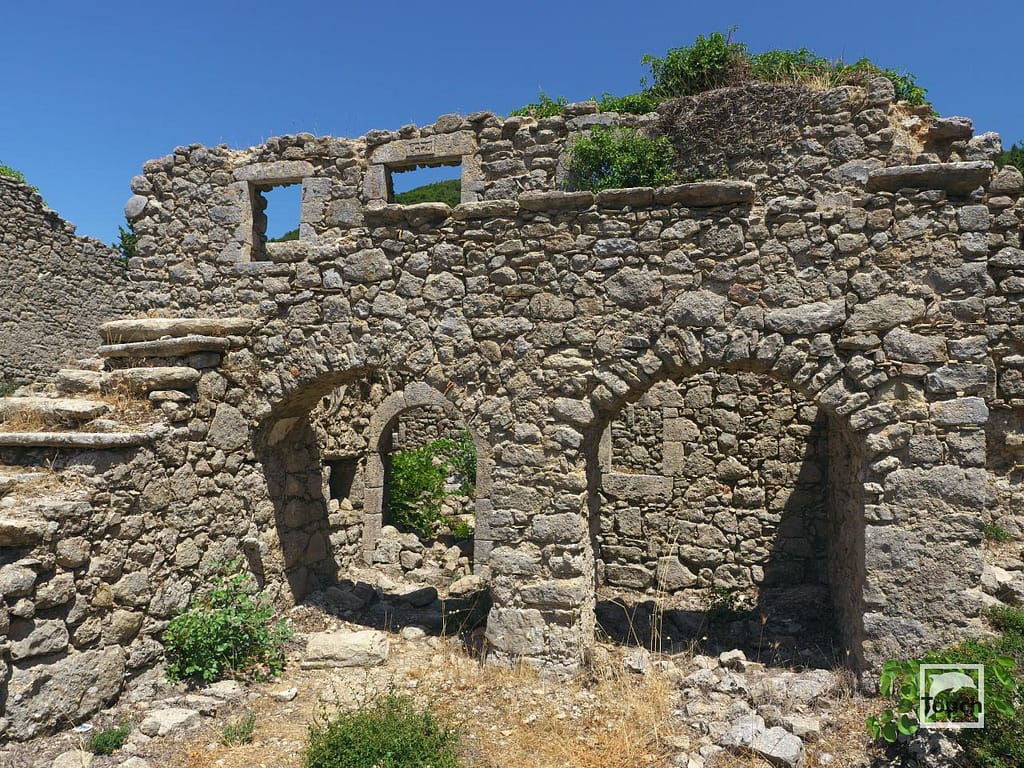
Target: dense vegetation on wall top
[(718, 61)]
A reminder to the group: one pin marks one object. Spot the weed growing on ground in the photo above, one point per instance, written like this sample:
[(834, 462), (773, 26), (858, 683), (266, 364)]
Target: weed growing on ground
[(238, 731), (388, 732), (109, 740)]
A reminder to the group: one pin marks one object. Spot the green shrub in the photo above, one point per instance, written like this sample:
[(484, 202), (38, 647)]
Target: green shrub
[(447, 191), (109, 740), (710, 62), (418, 478), (238, 731), (226, 631), (545, 106), (634, 103), (11, 173), (608, 158), (995, 532), (1000, 744), (127, 241), (1013, 156), (389, 732)]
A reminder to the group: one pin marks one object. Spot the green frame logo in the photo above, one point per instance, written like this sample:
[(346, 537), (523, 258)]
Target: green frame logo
[(951, 696)]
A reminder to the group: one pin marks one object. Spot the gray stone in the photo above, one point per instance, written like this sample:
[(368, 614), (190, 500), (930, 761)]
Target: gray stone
[(807, 319), (169, 721), (365, 648), (900, 344), (698, 309), (956, 178), (884, 313), (634, 288), (38, 638), (964, 411), (229, 429), (153, 328), (41, 696), (73, 758)]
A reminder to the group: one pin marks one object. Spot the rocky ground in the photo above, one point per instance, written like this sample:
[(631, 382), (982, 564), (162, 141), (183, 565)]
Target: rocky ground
[(631, 708)]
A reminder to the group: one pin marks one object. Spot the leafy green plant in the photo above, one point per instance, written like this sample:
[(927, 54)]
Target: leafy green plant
[(418, 478), (11, 173), (725, 605), (545, 106), (995, 532), (238, 731), (1013, 156), (709, 62), (127, 241), (448, 191), (108, 740), (610, 158), (634, 103), (388, 732), (1000, 744), (226, 631)]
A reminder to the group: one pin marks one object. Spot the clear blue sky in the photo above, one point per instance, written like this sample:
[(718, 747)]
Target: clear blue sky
[(91, 90)]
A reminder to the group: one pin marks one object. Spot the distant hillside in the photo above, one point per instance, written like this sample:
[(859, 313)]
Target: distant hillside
[(448, 191)]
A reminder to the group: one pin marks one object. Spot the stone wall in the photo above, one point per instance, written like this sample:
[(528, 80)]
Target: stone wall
[(882, 301), (717, 481), (57, 287)]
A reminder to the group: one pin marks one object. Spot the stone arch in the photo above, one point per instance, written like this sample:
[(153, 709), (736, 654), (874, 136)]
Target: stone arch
[(908, 527), (805, 549), (418, 395)]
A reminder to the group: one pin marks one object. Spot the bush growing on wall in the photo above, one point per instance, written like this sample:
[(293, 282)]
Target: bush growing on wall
[(613, 158), (717, 61)]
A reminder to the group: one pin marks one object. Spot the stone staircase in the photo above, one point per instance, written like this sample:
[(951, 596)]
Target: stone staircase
[(142, 379)]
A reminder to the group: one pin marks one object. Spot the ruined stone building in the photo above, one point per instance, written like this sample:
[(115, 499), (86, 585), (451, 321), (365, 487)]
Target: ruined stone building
[(800, 381)]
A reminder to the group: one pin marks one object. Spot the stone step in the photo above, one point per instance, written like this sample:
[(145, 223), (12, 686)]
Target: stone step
[(72, 381), (173, 347), (145, 380), (154, 328), (52, 410), (90, 440), (12, 477), (136, 380)]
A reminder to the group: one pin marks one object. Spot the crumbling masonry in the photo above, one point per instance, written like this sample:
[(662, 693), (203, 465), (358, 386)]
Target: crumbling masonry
[(805, 377)]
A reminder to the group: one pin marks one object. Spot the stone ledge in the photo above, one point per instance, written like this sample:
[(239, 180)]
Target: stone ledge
[(184, 345), (706, 194), (92, 440), (485, 209), (956, 178), (53, 410), (393, 213), (554, 200), (153, 328)]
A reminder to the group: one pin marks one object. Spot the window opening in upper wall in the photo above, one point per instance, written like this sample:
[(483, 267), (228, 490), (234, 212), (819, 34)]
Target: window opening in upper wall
[(275, 215), (440, 183)]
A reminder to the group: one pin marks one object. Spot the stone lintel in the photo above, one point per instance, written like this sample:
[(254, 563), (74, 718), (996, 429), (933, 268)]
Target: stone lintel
[(956, 178), (280, 172)]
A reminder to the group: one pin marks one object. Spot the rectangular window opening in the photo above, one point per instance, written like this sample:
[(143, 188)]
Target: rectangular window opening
[(441, 183), (342, 475), (276, 209)]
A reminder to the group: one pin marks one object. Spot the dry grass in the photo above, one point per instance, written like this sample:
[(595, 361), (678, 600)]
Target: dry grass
[(28, 420), (128, 408), (512, 718)]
